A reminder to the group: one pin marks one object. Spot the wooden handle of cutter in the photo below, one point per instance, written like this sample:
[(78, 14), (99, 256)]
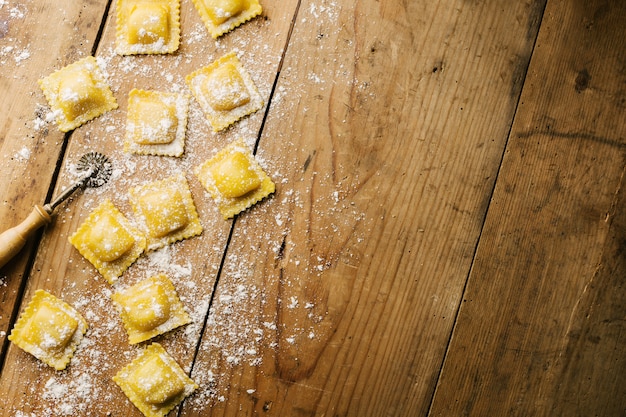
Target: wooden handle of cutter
[(13, 239)]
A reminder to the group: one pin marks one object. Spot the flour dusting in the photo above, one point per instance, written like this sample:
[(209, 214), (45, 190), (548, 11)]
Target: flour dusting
[(241, 321)]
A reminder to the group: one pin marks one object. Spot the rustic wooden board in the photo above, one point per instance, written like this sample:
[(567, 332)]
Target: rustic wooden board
[(541, 328), (384, 128), (35, 38), (86, 386), (386, 131)]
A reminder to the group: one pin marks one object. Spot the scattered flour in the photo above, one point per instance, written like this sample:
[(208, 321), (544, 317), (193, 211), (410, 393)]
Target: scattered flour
[(11, 48), (22, 55), (238, 330), (23, 154)]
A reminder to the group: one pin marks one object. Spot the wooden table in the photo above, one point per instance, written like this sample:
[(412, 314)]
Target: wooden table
[(446, 238)]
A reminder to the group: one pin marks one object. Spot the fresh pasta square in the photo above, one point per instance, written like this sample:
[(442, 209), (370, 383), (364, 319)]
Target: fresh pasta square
[(150, 308), (156, 123), (49, 329), (221, 16), (77, 93), (147, 26), (166, 211), (234, 179), (154, 382), (225, 91), (109, 241)]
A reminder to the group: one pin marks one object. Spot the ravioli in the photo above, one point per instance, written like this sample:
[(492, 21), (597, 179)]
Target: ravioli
[(166, 211), (49, 329), (109, 241), (234, 179), (156, 123), (150, 308), (154, 382), (225, 91), (147, 26), (77, 93), (222, 16)]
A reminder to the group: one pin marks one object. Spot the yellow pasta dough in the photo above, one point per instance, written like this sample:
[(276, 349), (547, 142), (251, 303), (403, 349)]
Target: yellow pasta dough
[(234, 179), (109, 241), (156, 123), (221, 16), (77, 93), (49, 329), (225, 91), (154, 382), (150, 308), (166, 210), (147, 26)]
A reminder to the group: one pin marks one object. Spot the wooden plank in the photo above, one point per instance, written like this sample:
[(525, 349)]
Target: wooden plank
[(86, 387), (35, 38), (541, 328), (385, 134)]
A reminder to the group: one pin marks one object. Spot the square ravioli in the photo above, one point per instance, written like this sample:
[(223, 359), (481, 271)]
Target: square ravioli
[(234, 179), (147, 26), (77, 93), (150, 308), (221, 16), (49, 329), (154, 382), (156, 123), (109, 241), (166, 211), (225, 91)]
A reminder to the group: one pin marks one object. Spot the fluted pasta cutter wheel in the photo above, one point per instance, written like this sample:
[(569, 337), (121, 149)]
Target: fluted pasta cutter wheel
[(97, 171)]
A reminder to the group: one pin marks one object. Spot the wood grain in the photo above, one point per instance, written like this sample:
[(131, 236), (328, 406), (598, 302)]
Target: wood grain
[(446, 237), (35, 38), (546, 277), (361, 257)]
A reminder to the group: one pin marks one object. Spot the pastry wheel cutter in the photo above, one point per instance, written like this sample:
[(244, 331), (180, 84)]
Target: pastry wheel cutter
[(97, 170)]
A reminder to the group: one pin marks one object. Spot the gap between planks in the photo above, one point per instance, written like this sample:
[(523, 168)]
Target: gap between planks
[(233, 223), (495, 182)]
